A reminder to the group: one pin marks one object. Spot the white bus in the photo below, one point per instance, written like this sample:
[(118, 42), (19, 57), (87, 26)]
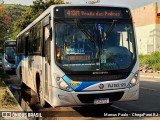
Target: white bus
[(8, 58), (74, 55)]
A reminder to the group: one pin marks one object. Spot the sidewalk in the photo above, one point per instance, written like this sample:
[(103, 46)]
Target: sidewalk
[(150, 75), (11, 113)]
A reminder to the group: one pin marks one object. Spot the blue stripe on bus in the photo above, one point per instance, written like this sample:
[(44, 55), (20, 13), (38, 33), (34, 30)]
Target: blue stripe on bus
[(85, 85), (19, 59), (78, 85)]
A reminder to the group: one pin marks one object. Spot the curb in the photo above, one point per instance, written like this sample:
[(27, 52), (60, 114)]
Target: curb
[(18, 108), (149, 76)]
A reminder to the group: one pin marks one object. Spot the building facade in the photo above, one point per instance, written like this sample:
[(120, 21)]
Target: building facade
[(147, 26)]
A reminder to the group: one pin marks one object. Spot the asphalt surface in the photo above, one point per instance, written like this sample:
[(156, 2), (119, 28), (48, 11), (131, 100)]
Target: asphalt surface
[(149, 99)]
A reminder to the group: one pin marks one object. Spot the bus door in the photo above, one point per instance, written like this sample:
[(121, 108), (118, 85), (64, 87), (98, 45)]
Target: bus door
[(46, 61), (26, 60), (31, 74)]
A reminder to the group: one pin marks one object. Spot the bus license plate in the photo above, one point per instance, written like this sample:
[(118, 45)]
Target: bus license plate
[(101, 101)]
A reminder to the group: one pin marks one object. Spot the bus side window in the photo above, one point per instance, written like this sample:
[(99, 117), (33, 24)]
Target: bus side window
[(47, 43), (31, 44), (26, 45), (37, 38)]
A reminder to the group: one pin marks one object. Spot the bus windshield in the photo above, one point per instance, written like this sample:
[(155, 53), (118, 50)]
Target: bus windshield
[(92, 45), (10, 53)]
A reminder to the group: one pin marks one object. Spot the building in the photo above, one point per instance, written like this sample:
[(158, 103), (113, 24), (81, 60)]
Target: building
[(147, 26)]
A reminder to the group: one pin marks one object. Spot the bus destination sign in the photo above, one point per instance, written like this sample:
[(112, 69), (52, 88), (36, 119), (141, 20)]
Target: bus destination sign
[(11, 43), (87, 13)]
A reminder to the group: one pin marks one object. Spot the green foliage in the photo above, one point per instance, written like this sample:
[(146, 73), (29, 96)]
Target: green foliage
[(8, 100), (4, 27), (8, 14), (14, 18), (152, 60), (32, 13)]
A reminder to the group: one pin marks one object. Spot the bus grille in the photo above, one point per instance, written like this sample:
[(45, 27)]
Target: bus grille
[(97, 77), (89, 98)]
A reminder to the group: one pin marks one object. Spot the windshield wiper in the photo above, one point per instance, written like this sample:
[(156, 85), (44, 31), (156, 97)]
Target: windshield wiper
[(91, 37), (83, 29), (110, 29)]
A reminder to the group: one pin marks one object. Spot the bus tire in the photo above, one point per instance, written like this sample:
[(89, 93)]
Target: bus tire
[(20, 73), (40, 92), (23, 86)]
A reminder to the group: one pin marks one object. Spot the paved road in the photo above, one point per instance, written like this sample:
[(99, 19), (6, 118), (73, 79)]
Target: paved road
[(149, 101)]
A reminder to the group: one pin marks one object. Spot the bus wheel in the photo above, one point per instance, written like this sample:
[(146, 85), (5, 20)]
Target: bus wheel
[(20, 73), (24, 87), (40, 95)]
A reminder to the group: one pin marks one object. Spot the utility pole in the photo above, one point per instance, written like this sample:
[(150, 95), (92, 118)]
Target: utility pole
[(93, 1)]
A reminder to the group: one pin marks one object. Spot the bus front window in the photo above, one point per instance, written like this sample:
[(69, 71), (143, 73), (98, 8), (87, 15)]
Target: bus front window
[(118, 47), (10, 53), (94, 46), (74, 50)]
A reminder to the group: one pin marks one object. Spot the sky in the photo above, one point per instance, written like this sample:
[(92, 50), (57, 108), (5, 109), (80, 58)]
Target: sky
[(23, 2), (132, 4)]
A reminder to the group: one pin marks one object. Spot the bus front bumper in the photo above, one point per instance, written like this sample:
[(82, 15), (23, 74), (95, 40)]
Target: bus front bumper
[(7, 69), (63, 98)]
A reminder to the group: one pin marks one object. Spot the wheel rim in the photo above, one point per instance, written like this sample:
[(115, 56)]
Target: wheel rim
[(40, 94)]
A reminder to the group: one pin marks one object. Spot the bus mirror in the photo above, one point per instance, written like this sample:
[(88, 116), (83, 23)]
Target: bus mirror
[(6, 56), (50, 34)]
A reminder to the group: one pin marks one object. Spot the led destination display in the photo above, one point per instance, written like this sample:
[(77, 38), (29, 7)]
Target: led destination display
[(11, 43), (92, 12)]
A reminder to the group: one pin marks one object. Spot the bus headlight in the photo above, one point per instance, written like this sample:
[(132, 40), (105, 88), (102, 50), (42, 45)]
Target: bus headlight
[(134, 80), (7, 64), (63, 85)]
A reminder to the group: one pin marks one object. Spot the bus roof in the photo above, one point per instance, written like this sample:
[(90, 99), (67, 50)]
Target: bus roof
[(49, 10), (9, 40)]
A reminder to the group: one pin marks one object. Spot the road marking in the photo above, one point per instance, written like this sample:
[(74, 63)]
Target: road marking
[(119, 108)]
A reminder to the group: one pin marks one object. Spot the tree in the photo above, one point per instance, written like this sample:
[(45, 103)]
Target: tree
[(3, 30), (33, 12), (8, 14), (52, 2), (93, 1), (4, 25)]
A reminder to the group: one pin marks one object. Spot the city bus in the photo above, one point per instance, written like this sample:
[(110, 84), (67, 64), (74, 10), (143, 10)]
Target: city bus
[(74, 55), (8, 57)]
